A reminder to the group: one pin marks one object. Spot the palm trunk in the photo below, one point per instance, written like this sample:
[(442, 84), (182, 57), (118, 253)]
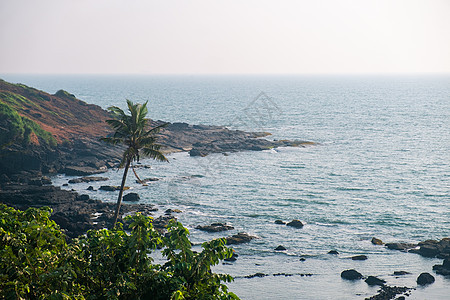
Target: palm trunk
[(122, 186)]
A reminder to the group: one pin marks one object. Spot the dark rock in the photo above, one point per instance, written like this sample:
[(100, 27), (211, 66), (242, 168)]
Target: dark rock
[(35, 181), (429, 250), (359, 257), (197, 152), (65, 184), (215, 227), (425, 278), (83, 197), (295, 224), (280, 222), (351, 274), (88, 179), (334, 252), (400, 246), (132, 197), (280, 248), (256, 275), (239, 238), (389, 292), (109, 188), (90, 188), (399, 273), (443, 269), (372, 280), (170, 211), (302, 259), (81, 171), (376, 241)]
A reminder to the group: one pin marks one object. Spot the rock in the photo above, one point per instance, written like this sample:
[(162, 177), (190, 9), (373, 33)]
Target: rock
[(81, 171), (295, 224), (425, 278), (197, 152), (400, 246), (376, 241), (359, 257), (239, 238), (83, 197), (280, 248), (351, 274), (389, 292), (256, 275), (372, 280), (399, 273), (109, 188), (443, 269), (65, 184), (88, 179), (169, 211), (112, 188), (429, 250), (334, 252), (215, 227), (280, 222), (133, 197), (302, 259), (90, 188)]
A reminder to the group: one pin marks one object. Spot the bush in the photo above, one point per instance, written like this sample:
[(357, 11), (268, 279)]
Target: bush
[(37, 263)]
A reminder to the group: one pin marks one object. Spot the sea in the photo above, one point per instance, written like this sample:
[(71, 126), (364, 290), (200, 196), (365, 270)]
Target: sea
[(380, 168)]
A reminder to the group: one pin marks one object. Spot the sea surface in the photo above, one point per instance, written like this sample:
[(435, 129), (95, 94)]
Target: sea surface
[(381, 169)]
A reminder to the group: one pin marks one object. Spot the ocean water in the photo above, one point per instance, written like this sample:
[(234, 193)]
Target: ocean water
[(381, 169)]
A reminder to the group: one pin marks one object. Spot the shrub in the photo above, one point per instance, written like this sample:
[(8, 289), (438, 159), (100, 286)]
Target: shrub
[(37, 263)]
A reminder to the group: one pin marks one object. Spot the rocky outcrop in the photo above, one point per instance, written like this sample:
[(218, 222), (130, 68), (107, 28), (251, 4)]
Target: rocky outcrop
[(131, 197), (359, 257), (72, 212), (88, 179), (434, 248), (400, 246), (443, 269)]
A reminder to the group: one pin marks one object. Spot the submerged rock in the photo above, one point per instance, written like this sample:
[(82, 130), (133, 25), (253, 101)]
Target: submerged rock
[(351, 274), (334, 252), (398, 273), (280, 222), (359, 257), (280, 248)]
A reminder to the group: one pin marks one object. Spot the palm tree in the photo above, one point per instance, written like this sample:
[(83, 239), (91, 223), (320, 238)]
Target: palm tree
[(133, 132)]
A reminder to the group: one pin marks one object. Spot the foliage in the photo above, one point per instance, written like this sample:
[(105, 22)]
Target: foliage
[(132, 131), (37, 263), (18, 129)]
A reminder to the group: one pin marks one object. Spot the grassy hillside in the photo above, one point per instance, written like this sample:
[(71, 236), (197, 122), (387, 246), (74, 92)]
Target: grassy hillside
[(28, 115)]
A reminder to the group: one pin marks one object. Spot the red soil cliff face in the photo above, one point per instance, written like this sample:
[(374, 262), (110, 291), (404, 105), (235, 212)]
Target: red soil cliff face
[(61, 114)]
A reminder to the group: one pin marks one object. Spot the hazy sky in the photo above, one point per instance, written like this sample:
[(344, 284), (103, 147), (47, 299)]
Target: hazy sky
[(209, 36)]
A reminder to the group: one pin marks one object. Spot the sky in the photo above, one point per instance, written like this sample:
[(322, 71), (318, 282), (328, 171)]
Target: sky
[(224, 37)]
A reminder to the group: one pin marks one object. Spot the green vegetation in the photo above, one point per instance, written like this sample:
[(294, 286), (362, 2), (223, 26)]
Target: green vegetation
[(132, 132), (37, 263), (17, 129)]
